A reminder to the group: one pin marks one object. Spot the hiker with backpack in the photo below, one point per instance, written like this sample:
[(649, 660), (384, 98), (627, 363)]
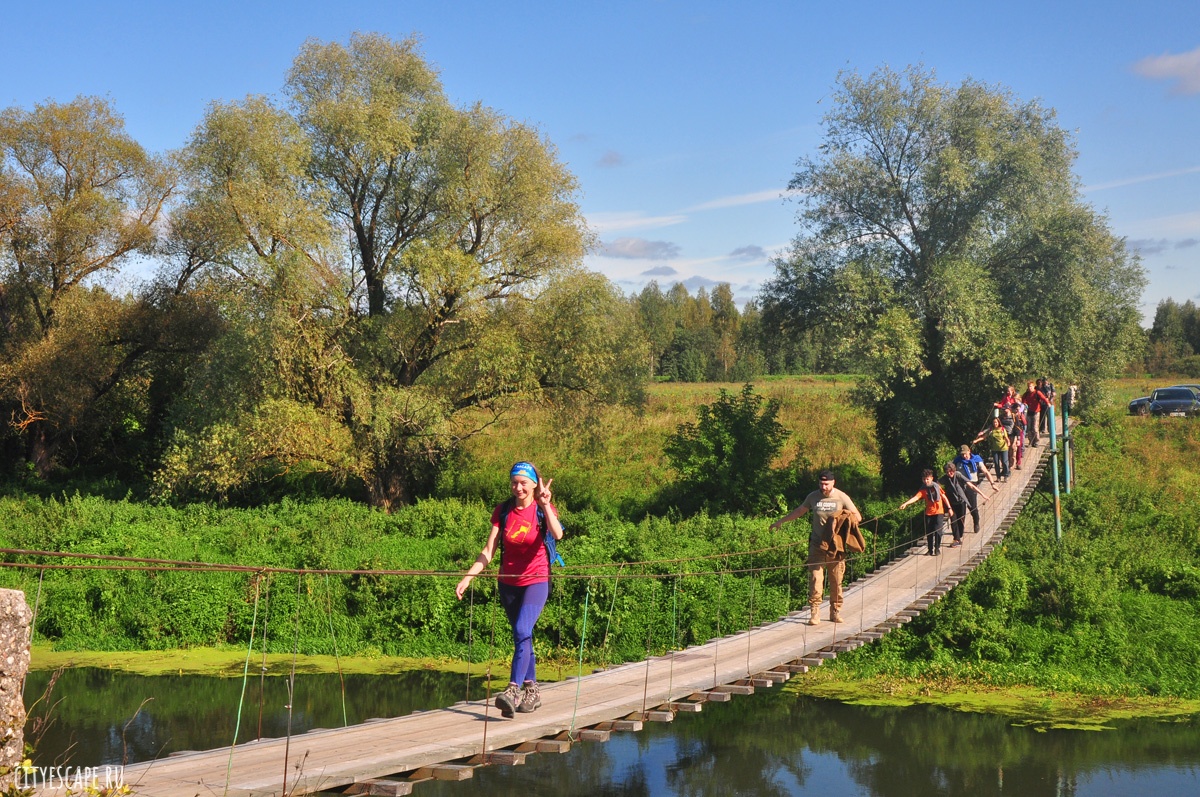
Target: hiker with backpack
[(937, 506), (524, 529)]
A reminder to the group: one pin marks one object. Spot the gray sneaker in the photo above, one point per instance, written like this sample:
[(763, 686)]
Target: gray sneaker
[(531, 698), (508, 700)]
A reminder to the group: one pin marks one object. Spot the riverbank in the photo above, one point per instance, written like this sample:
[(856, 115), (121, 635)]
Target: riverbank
[(231, 663), (1043, 709)]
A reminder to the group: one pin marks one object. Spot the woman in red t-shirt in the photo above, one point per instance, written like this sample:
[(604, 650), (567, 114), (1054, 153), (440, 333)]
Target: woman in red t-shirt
[(524, 576)]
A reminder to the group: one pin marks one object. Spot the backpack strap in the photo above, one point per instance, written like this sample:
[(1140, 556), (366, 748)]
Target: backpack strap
[(548, 540)]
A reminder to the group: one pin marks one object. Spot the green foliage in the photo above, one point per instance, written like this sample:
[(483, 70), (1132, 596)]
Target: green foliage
[(726, 455), (946, 250), (1110, 610)]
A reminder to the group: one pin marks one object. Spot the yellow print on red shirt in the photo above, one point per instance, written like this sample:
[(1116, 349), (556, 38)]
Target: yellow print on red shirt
[(519, 533)]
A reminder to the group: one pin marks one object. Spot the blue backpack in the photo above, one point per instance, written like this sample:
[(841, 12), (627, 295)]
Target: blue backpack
[(547, 538)]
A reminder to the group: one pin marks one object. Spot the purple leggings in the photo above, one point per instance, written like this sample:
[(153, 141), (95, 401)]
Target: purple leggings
[(523, 605)]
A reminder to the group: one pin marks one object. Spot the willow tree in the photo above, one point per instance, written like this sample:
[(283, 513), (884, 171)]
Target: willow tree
[(946, 247), (79, 198), (392, 262)]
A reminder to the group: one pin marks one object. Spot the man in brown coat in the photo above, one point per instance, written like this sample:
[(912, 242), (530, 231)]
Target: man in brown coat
[(825, 503)]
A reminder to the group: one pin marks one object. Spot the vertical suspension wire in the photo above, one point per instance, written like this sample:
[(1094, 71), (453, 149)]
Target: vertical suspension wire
[(487, 701), (262, 668), (646, 682), (37, 602), (750, 619), (587, 598), (720, 606), (608, 621), (470, 634), (237, 725), (336, 657), (287, 743), (674, 636)]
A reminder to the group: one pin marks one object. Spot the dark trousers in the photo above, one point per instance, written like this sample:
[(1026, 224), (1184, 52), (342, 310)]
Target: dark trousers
[(523, 606), (973, 503), (934, 528), (959, 520)]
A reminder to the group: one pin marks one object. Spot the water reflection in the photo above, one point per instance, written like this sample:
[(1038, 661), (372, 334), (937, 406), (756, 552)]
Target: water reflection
[(96, 718), (773, 743)]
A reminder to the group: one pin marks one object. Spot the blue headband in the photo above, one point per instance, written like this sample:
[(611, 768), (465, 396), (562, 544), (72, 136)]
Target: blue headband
[(524, 469)]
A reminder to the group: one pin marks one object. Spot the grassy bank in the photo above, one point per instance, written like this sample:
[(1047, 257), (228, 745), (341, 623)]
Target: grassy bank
[(1112, 613)]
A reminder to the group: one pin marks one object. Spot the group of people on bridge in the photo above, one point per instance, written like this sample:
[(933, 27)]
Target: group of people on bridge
[(526, 526)]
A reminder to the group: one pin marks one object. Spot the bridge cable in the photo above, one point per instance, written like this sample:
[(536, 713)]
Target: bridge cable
[(336, 657), (292, 685), (262, 668), (237, 725), (587, 597)]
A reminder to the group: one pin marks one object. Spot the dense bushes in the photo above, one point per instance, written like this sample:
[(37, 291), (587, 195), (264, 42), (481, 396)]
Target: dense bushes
[(1114, 608)]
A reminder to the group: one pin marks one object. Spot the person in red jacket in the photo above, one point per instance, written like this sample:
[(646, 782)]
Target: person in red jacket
[(1037, 402)]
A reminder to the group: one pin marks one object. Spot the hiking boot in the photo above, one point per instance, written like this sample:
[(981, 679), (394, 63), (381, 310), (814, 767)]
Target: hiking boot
[(531, 698), (835, 616), (814, 618), (508, 700)]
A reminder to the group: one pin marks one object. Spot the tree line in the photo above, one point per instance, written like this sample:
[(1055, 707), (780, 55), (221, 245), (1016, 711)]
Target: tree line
[(355, 276)]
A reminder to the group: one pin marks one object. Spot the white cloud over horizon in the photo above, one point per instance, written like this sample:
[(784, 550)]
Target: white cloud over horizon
[(617, 221), (1182, 69), (738, 200), (639, 249), (1144, 178)]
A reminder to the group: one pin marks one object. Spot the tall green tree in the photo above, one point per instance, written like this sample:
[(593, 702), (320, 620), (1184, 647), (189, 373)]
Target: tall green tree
[(944, 243), (398, 267), (78, 198)]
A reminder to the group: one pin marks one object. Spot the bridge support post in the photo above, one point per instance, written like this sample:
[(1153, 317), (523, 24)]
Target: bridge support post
[(1054, 472), (14, 663)]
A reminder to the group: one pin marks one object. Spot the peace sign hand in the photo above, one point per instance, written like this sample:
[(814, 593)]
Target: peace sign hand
[(542, 492)]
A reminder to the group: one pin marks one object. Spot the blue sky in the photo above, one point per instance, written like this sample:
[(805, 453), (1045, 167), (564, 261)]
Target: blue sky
[(683, 121)]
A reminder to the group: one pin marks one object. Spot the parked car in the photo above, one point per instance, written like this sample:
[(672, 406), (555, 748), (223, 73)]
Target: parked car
[(1177, 400)]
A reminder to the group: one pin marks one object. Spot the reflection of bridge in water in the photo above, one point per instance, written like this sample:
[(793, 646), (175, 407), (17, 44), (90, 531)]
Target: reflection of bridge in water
[(388, 756)]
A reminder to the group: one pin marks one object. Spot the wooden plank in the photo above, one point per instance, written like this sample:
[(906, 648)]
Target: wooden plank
[(656, 715), (545, 746), (380, 787), (451, 772), (684, 707), (508, 758), (734, 689), (773, 675), (710, 697), (592, 735)]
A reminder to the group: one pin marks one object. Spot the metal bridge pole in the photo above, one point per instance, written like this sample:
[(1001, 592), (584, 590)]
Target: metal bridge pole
[(1068, 476), (1054, 470)]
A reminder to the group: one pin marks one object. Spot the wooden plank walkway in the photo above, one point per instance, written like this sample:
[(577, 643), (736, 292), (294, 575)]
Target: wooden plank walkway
[(387, 756)]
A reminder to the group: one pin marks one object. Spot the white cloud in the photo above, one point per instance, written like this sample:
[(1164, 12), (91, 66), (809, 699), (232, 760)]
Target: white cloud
[(660, 271), (639, 249), (737, 200), (1182, 69), (749, 253), (1144, 178), (635, 220)]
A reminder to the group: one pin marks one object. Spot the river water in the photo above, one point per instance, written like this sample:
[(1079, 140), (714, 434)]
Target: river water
[(771, 743)]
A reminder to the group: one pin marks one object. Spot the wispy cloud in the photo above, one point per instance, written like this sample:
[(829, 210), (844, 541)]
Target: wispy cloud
[(1182, 69), (1156, 246), (636, 220), (1143, 178), (611, 159), (749, 253), (639, 249), (737, 200)]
